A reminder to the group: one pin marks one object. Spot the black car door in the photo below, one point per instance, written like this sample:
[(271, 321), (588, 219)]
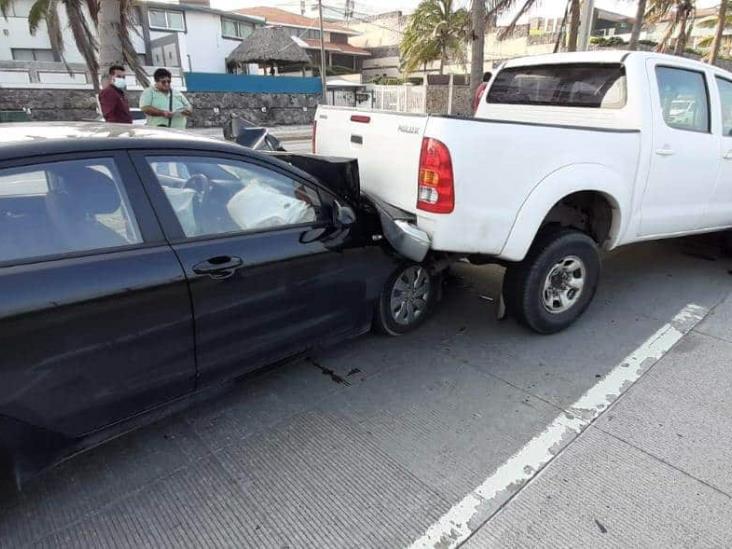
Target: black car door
[(270, 275), (95, 317)]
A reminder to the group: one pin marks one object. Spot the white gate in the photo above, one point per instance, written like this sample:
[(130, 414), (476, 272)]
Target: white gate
[(397, 98)]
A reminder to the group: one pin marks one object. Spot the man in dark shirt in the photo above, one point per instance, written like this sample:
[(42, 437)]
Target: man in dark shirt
[(112, 98)]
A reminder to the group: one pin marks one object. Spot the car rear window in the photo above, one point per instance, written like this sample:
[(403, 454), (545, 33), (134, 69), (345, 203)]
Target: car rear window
[(590, 85)]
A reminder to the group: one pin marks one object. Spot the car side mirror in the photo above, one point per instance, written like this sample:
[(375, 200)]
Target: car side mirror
[(343, 215)]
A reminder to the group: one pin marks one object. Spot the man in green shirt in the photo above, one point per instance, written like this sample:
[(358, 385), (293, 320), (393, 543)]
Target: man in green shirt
[(164, 106)]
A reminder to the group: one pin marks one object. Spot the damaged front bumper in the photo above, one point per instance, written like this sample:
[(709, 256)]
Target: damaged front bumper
[(400, 230)]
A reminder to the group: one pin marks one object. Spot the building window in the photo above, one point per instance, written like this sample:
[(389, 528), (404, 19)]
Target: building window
[(305, 34), (231, 28), (167, 19), (27, 54)]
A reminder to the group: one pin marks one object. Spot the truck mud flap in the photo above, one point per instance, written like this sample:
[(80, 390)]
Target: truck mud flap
[(401, 231)]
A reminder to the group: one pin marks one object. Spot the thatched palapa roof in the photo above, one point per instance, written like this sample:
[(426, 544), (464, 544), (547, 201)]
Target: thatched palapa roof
[(270, 45)]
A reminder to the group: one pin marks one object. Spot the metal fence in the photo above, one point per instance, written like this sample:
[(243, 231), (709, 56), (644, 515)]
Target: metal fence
[(397, 98)]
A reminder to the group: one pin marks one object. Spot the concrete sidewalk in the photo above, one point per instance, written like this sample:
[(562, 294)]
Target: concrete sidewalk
[(653, 471)]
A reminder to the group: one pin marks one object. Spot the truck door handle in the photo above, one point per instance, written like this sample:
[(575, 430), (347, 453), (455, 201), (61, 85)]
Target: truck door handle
[(665, 151), (728, 155), (218, 267)]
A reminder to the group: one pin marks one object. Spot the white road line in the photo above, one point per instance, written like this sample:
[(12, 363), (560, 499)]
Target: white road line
[(455, 526)]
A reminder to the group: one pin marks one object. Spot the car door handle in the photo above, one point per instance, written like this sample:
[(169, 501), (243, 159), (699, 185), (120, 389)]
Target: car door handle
[(222, 266), (728, 155), (665, 151)]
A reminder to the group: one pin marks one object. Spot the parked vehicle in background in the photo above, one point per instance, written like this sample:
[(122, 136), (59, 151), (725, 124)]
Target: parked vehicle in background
[(136, 270), (567, 153), (138, 117)]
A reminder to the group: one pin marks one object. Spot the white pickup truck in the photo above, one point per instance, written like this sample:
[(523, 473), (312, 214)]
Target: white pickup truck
[(567, 154)]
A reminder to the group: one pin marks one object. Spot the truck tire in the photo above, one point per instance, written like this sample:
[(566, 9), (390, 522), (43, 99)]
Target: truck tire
[(407, 300), (555, 283)]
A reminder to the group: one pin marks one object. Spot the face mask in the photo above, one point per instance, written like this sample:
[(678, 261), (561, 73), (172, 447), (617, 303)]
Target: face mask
[(120, 83)]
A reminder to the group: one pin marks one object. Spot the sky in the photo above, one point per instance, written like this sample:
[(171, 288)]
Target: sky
[(545, 8)]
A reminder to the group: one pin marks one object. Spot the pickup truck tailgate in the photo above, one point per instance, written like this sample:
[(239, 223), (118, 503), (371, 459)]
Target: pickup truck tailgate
[(388, 143)]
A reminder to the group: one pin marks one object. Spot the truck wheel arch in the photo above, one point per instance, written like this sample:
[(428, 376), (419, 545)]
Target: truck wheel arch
[(574, 184)]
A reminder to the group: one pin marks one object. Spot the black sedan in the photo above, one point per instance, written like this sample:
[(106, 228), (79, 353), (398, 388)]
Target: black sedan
[(140, 266)]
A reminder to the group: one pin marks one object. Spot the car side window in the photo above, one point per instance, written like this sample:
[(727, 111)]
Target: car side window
[(63, 207), (684, 99), (725, 96), (223, 196)]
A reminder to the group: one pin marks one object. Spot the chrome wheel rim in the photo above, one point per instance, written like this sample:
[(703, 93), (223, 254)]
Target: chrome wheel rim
[(563, 284), (410, 295)]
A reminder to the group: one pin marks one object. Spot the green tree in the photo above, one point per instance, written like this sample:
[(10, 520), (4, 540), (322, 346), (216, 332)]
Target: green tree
[(101, 31), (435, 31)]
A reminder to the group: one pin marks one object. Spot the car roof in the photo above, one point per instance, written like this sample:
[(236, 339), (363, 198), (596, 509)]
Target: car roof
[(31, 139)]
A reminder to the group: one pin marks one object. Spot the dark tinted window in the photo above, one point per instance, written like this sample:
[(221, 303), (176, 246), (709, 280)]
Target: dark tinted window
[(684, 99), (566, 85), (63, 207)]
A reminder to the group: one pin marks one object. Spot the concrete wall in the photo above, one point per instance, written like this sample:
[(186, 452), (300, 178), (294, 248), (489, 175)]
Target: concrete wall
[(210, 109), (437, 100)]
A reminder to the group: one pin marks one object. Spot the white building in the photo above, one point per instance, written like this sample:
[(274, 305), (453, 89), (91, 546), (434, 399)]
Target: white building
[(183, 37)]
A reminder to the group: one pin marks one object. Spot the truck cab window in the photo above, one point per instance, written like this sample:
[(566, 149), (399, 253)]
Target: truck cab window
[(725, 96), (589, 85), (684, 99)]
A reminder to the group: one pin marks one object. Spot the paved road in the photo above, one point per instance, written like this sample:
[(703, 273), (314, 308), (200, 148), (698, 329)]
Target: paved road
[(372, 443)]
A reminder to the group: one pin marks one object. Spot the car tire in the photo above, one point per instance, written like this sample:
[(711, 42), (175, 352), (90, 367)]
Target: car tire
[(555, 283), (406, 300)]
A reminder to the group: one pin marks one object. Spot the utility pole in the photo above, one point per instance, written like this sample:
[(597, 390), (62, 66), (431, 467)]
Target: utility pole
[(477, 30), (322, 54)]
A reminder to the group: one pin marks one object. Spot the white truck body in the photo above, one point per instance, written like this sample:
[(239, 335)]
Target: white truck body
[(664, 171)]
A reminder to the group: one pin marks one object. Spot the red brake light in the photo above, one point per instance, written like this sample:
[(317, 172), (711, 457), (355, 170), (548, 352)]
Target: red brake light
[(435, 185), (363, 119), (478, 92), (315, 129)]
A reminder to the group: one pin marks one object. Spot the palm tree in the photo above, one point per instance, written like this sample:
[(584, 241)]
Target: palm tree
[(101, 31), (682, 11), (502, 6), (435, 31), (640, 13), (720, 22)]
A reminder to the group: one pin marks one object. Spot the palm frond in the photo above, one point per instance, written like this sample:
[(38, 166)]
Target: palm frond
[(128, 49), (85, 39), (507, 31), (5, 7), (37, 14), (55, 33), (92, 7)]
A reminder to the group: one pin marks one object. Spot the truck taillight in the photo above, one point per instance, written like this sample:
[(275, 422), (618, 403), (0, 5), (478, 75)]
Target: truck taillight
[(315, 129), (435, 186)]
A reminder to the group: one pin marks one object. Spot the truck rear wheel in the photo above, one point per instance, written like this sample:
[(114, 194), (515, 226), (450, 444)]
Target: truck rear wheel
[(555, 283)]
